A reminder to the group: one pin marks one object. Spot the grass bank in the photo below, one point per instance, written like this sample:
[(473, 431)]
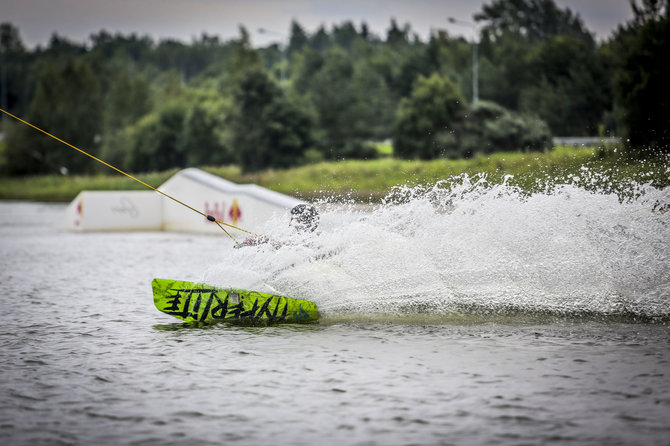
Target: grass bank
[(65, 188), (371, 180)]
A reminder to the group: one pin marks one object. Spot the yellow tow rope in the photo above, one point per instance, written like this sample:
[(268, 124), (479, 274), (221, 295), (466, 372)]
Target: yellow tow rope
[(208, 217)]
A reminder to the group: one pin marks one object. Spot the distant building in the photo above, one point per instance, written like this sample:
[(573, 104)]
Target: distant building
[(585, 141)]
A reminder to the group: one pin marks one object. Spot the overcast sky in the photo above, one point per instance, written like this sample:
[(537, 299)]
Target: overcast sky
[(184, 20)]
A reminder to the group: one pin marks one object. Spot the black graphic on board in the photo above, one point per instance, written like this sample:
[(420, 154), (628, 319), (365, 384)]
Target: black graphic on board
[(199, 303)]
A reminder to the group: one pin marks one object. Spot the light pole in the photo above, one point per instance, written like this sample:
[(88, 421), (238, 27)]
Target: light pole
[(475, 57), (283, 49)]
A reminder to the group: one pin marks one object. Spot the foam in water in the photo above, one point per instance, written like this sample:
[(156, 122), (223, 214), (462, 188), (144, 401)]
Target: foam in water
[(468, 246)]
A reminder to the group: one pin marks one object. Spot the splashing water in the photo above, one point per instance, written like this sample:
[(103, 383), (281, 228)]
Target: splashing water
[(469, 246)]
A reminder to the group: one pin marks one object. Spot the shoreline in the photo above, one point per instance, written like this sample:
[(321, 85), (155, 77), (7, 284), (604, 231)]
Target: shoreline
[(370, 181)]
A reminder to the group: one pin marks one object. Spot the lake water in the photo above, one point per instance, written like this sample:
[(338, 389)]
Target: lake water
[(448, 318)]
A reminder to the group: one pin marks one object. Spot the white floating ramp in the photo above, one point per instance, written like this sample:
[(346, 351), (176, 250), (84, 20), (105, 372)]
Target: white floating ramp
[(248, 206), (115, 211)]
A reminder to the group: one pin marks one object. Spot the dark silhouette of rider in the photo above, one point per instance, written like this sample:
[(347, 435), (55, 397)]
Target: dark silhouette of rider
[(304, 218)]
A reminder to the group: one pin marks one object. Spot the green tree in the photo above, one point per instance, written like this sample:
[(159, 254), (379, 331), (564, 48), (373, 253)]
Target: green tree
[(642, 75), (200, 140), (10, 39), (426, 122), (373, 105), (397, 37), (126, 101), (67, 104), (125, 48), (510, 68), (321, 40), (62, 47), (11, 49), (329, 90), (571, 89), (490, 128), (414, 64), (536, 20), (267, 128), (307, 64), (298, 39), (510, 33), (156, 141), (243, 59), (345, 36)]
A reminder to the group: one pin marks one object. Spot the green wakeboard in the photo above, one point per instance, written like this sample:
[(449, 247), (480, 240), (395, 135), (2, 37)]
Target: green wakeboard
[(194, 302)]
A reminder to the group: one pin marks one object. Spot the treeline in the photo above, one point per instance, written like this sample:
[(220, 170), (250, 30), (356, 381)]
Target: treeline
[(146, 105)]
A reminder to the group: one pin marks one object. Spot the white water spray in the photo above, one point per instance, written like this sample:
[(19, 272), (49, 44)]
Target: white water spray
[(468, 246)]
